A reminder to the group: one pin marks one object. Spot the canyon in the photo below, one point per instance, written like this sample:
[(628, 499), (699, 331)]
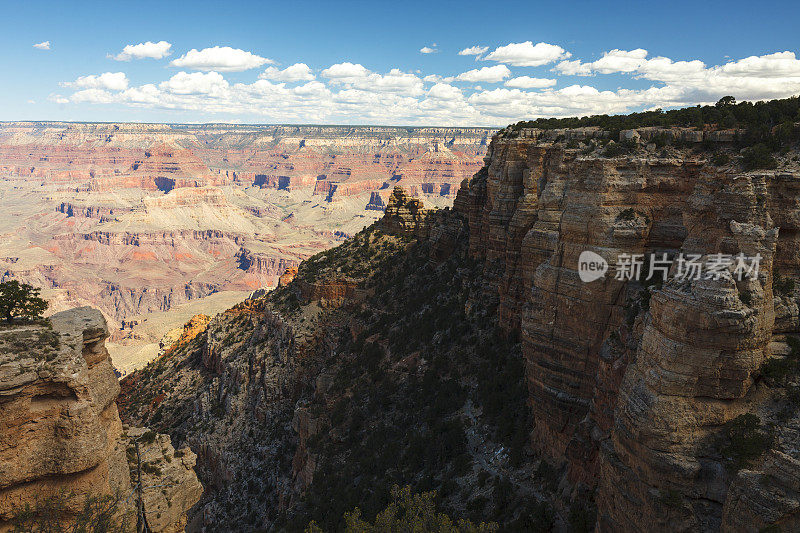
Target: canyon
[(635, 405), (153, 223), (458, 349)]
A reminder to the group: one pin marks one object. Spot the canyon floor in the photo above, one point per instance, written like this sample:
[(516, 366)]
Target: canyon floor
[(154, 223)]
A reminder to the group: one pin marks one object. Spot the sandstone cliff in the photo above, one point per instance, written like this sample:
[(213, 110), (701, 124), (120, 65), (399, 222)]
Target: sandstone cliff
[(632, 386), (62, 440)]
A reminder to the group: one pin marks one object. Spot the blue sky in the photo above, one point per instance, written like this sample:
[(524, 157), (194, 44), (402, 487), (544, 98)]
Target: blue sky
[(360, 62)]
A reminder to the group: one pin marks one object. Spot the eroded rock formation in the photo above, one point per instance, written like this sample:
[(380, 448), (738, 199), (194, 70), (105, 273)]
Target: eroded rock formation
[(60, 432)]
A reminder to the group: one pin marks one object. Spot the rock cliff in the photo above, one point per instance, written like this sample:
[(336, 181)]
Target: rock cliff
[(632, 385), (62, 442)]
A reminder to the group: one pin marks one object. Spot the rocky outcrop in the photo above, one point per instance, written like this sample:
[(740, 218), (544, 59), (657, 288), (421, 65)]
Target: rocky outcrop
[(287, 276), (376, 202), (167, 477), (175, 338), (404, 214), (61, 433)]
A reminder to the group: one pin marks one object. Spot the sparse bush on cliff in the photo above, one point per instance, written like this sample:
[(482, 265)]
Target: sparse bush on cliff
[(720, 159), (784, 286), (745, 439), (100, 514), (758, 157)]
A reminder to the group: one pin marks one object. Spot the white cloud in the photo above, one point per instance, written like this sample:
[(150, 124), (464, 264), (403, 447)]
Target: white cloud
[(209, 83), (345, 71), (428, 50), (113, 81), (443, 91), (493, 74), (148, 49), (296, 72), (219, 58), (356, 76), (573, 68), (775, 65), (666, 70), (395, 81), (44, 45), (620, 61), (474, 51), (612, 62), (526, 82), (349, 93), (527, 54)]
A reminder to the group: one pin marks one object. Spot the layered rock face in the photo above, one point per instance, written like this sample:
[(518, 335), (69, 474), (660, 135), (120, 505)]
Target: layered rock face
[(631, 386), (61, 432)]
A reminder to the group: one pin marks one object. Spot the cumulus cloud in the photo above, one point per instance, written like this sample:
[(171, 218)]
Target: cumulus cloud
[(112, 81), (493, 74), (351, 93), (573, 68), (220, 58), (296, 72), (428, 50), (527, 54), (210, 83), (474, 51), (773, 75), (613, 61), (443, 91), (44, 45), (345, 71), (620, 61), (148, 49), (526, 82), (356, 76)]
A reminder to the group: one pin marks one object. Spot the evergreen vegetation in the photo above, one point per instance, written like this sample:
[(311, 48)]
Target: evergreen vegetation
[(772, 124), (20, 300), (408, 513)]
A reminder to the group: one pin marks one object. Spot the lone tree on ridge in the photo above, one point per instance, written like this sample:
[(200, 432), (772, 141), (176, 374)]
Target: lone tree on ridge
[(20, 300)]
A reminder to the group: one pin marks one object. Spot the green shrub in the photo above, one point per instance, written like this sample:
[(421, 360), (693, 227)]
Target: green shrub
[(627, 214), (745, 440), (100, 514), (783, 286), (720, 159), (408, 512), (777, 370), (758, 157)]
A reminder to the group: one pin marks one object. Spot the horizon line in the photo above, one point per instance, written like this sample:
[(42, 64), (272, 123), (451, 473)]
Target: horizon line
[(259, 124)]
